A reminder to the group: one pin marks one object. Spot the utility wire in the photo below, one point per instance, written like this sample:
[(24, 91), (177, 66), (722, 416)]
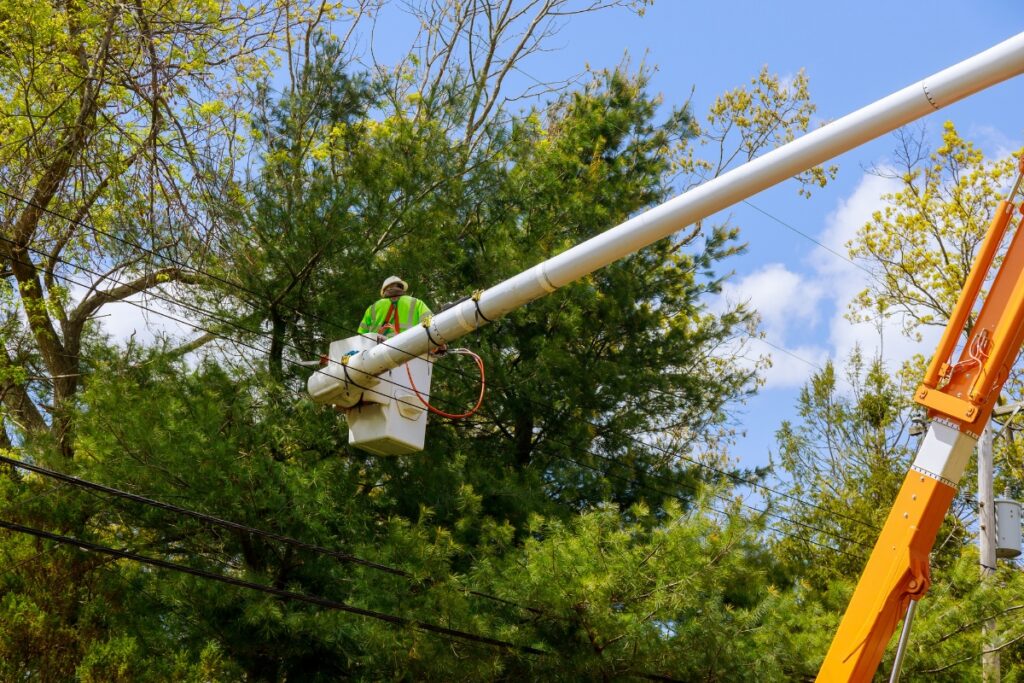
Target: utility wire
[(236, 526), (393, 570), (789, 353), (808, 237), (392, 619), (346, 557), (11, 568), (82, 483), (210, 519), (830, 250), (289, 595)]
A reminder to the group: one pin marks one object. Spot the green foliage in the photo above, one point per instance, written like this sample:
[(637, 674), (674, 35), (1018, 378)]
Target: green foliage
[(683, 595), (922, 243), (843, 463), (574, 499)]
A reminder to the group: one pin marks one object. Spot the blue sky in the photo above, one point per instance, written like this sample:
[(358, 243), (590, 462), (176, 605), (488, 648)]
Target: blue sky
[(853, 54)]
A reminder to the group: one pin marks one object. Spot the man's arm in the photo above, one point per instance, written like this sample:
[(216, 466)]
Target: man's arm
[(422, 311)]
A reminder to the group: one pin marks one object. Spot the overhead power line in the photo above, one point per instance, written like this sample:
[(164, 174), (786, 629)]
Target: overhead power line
[(14, 566), (289, 595), (76, 481), (789, 353), (236, 526), (210, 519), (165, 564), (385, 617), (803, 234)]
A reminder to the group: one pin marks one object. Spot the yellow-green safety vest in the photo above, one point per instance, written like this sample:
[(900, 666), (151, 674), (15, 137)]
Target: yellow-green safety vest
[(410, 311)]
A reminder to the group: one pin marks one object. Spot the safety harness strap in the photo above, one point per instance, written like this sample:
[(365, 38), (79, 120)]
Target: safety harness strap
[(390, 320)]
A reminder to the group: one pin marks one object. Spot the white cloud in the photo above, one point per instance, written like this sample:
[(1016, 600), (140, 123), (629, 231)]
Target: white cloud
[(846, 279), (791, 367), (803, 314), (788, 305), (884, 337), (842, 225), (787, 82), (144, 317), (154, 314), (781, 296), (995, 143)]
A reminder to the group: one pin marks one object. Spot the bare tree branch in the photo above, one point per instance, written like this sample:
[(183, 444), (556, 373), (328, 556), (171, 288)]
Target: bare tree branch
[(99, 298)]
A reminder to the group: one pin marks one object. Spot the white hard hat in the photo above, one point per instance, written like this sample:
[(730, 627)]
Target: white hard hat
[(393, 280)]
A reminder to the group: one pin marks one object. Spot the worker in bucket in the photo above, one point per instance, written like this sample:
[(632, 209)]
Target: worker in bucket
[(394, 312)]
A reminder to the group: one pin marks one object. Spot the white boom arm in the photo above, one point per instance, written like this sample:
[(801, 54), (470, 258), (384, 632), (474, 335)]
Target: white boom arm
[(981, 71)]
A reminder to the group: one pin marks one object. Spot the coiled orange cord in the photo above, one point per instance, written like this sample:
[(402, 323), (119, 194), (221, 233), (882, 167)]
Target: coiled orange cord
[(412, 383), (453, 416)]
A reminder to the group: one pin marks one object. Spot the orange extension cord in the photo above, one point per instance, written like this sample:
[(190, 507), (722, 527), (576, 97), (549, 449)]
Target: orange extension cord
[(412, 383), (479, 400)]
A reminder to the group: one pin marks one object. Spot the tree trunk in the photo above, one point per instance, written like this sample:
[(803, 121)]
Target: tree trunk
[(524, 440), (278, 327)]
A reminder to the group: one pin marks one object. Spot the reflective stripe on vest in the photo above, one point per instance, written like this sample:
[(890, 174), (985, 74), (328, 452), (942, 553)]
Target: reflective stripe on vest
[(410, 312)]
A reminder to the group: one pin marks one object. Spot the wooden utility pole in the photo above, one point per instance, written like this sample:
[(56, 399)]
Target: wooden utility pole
[(987, 548)]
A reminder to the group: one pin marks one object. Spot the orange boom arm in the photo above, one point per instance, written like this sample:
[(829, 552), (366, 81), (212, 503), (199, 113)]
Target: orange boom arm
[(959, 397)]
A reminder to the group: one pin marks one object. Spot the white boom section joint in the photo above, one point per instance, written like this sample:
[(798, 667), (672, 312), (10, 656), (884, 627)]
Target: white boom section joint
[(944, 453)]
